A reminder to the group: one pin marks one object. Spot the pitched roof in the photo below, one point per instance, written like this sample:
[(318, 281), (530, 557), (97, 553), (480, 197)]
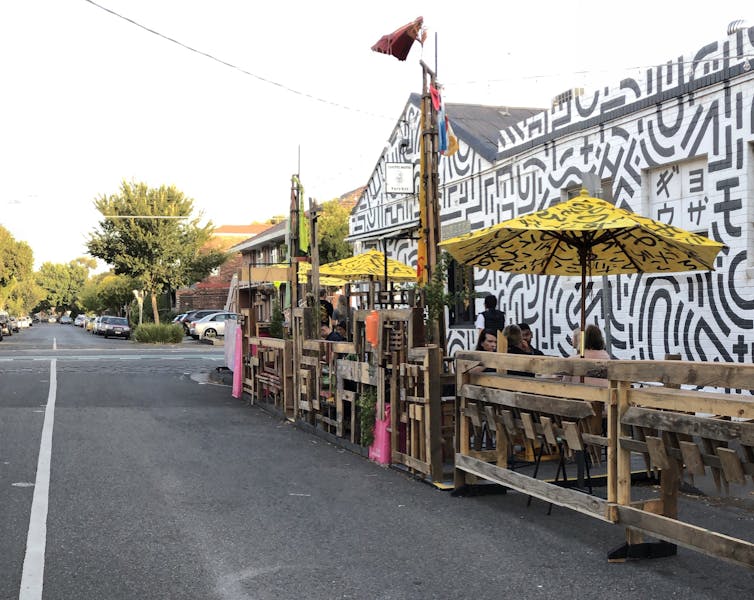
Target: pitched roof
[(479, 126), (245, 230)]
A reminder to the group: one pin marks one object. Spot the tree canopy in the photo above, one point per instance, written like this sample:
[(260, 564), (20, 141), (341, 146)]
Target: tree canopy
[(18, 291), (62, 283), (152, 236), (332, 231)]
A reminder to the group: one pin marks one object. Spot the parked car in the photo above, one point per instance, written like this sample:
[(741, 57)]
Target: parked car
[(89, 325), (14, 325), (5, 326), (210, 326), (96, 325), (115, 327), (195, 315), (24, 322), (65, 320), (79, 320)]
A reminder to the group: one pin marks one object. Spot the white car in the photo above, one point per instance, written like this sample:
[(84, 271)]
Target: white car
[(210, 326)]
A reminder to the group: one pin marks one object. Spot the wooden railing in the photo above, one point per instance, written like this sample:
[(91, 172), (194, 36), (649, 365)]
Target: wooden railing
[(650, 409)]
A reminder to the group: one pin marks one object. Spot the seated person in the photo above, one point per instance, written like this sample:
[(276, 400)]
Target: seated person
[(328, 334), (594, 348), (513, 334), (341, 329), (325, 307), (526, 336), (487, 342)]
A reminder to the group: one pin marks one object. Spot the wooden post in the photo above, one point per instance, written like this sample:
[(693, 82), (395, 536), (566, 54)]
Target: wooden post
[(462, 425), (433, 414), (429, 197)]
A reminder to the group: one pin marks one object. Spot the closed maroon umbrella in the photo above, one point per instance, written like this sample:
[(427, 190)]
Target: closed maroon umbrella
[(400, 41)]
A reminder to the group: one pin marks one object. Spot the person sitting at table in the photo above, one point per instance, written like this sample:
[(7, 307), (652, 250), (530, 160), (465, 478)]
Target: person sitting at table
[(341, 329), (328, 334), (594, 349), (486, 342), (513, 334), (526, 344), (325, 307), (340, 312)]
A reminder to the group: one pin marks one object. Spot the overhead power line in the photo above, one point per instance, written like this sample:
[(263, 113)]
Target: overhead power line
[(236, 67)]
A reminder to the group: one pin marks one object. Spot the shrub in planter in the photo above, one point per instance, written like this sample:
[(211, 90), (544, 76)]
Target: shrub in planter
[(150, 333)]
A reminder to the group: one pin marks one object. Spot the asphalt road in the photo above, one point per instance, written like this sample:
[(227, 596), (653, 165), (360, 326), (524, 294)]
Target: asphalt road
[(161, 485)]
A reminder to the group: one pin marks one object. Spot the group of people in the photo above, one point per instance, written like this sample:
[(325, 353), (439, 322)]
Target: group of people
[(519, 337), (492, 320), (333, 319)]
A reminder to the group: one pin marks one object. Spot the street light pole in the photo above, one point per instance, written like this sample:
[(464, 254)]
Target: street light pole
[(139, 295)]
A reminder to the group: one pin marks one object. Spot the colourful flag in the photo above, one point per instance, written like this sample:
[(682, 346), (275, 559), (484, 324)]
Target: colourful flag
[(399, 42)]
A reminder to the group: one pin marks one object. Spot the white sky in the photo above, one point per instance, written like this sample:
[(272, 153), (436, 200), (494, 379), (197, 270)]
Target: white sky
[(89, 99)]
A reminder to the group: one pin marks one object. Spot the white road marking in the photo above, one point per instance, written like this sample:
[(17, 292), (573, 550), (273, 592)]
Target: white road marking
[(22, 484), (32, 576), (54, 343)]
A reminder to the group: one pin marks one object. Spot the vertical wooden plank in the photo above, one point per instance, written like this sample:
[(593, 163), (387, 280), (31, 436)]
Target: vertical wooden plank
[(433, 415), (462, 427), (658, 456), (731, 463), (709, 448), (339, 413), (573, 436), (692, 458), (623, 459), (612, 444)]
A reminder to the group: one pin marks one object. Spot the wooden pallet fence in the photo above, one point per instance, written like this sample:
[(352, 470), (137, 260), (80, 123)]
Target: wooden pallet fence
[(662, 410), (416, 413), (271, 373)]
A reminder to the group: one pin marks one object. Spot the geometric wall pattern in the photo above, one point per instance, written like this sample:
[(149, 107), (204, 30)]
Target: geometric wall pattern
[(675, 144)]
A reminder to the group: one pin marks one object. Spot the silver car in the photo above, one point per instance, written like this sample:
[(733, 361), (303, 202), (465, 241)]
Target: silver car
[(211, 326)]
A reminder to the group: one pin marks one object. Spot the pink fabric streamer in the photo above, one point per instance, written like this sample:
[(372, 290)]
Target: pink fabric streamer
[(379, 451), (238, 364)]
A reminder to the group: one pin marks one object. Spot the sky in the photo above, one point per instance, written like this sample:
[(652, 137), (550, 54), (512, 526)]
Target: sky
[(270, 89)]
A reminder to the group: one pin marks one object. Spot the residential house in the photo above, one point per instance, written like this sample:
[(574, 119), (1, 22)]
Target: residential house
[(212, 291)]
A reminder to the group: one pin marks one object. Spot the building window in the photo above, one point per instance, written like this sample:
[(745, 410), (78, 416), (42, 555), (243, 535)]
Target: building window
[(461, 290), (606, 192)]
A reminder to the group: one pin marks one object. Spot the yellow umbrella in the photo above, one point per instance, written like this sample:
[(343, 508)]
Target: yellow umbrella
[(304, 268), (581, 236), (371, 264)]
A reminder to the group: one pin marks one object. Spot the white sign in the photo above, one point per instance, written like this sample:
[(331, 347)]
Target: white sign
[(399, 178)]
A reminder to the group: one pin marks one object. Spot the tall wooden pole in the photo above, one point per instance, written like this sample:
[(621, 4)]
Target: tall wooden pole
[(429, 197), (294, 249)]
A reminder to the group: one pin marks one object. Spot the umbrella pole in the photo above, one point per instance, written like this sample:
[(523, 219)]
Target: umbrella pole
[(583, 302)]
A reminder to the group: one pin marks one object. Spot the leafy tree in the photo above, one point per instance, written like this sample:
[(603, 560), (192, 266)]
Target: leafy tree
[(151, 235), (332, 230), (62, 283), (18, 290)]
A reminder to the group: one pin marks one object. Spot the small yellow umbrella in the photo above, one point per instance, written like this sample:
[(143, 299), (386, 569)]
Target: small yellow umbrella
[(369, 265), (581, 236), (305, 268)]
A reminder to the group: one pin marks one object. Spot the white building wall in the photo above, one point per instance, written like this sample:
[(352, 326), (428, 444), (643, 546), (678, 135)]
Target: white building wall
[(675, 144), (673, 149)]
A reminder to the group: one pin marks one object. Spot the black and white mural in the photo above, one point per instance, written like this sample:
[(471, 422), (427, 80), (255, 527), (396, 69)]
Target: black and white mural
[(675, 144)]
